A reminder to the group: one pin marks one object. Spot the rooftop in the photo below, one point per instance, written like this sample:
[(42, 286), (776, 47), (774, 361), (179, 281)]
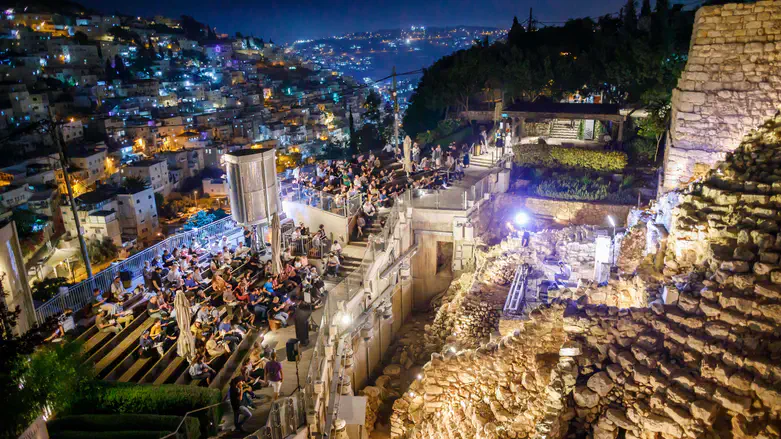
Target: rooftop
[(144, 163), (562, 107)]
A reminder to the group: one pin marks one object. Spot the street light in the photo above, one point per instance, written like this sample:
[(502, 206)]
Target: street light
[(612, 222)]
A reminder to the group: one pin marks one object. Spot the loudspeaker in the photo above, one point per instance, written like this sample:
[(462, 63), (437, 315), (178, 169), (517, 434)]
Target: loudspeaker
[(291, 347)]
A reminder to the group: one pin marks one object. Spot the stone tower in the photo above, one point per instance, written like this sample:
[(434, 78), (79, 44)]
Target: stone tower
[(731, 84)]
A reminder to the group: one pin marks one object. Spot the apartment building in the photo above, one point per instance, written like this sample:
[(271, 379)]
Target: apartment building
[(154, 172), (137, 213), (98, 214)]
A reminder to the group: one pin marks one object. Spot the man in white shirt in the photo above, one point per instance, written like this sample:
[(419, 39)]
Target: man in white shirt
[(174, 275)]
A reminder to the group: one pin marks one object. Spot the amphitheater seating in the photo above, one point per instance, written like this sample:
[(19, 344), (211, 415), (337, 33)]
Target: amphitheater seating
[(116, 356)]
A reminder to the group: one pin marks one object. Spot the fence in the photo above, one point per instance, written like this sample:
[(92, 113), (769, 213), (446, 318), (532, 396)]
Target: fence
[(305, 245), (80, 295), (338, 205)]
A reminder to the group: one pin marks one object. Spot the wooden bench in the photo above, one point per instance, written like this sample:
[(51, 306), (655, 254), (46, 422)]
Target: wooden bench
[(121, 349), (111, 341)]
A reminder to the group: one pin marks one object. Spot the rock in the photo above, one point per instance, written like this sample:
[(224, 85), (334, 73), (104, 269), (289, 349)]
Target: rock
[(600, 383), (585, 397), (704, 410)]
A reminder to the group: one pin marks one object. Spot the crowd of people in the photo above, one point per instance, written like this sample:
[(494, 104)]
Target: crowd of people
[(335, 183), (230, 289)]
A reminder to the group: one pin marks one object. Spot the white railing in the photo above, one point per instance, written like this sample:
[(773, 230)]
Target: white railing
[(337, 205), (80, 295)]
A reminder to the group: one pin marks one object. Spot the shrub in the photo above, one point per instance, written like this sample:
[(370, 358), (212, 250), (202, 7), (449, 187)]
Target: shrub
[(551, 156), (121, 423), (564, 187), (132, 434), (447, 127), (642, 150), (141, 398), (589, 159)]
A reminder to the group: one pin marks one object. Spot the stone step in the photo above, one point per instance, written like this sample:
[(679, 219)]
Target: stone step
[(119, 352), (173, 369)]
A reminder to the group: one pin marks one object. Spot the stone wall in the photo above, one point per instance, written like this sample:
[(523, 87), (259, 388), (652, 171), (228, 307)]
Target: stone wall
[(702, 361), (729, 86), (575, 212)]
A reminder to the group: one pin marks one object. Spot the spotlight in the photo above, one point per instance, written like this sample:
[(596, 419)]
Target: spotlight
[(521, 218), (611, 220), (346, 319), (420, 377)]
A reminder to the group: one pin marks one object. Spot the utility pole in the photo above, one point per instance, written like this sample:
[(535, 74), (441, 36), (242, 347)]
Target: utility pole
[(395, 111), (531, 21), (57, 132)]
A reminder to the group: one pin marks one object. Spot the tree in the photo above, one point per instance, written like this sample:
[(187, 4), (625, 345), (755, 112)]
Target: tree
[(516, 32), (19, 410), (159, 202), (81, 38), (27, 223), (372, 106), (135, 184), (48, 288), (630, 17), (102, 251), (353, 137)]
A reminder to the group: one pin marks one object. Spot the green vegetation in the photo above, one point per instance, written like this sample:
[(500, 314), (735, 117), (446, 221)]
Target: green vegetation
[(135, 184), (48, 378), (565, 187), (48, 288), (102, 251), (169, 399), (579, 158), (123, 424), (624, 58)]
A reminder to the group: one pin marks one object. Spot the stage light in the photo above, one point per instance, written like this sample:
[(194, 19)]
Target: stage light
[(521, 218)]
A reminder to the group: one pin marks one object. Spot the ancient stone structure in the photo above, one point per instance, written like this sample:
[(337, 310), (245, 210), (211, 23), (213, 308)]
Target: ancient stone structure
[(702, 361), (730, 85)]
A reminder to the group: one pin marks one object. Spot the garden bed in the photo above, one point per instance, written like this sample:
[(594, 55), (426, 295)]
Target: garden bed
[(551, 156)]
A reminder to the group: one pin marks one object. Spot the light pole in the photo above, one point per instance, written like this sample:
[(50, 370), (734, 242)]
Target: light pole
[(195, 194), (612, 222), (57, 133)]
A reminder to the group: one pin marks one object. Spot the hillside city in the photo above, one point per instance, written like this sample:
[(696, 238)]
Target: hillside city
[(140, 100), (532, 230)]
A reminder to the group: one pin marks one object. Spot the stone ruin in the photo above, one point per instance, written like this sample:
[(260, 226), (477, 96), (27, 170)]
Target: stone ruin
[(729, 86), (702, 361)]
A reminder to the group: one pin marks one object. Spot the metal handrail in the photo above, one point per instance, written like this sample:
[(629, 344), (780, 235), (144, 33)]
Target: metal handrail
[(184, 418), (79, 295), (321, 200)]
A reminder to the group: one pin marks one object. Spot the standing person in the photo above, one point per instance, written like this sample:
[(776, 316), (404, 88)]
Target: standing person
[(148, 273), (466, 157), (415, 153), (248, 237), (274, 376), (301, 321), (236, 393)]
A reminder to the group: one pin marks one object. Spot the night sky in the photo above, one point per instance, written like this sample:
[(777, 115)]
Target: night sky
[(288, 20)]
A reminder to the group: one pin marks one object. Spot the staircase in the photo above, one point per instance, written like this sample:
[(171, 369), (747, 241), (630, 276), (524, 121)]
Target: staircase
[(562, 130), (483, 161)]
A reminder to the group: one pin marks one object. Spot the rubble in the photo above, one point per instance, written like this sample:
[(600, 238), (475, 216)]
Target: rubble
[(700, 361)]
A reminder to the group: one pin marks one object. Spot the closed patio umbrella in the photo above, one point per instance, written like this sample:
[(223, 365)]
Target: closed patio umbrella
[(276, 245), (185, 344), (407, 155)]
